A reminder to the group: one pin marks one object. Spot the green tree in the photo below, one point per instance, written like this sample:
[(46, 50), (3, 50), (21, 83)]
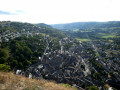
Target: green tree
[(27, 52), (93, 88), (3, 53), (96, 75), (2, 60), (14, 64), (26, 63), (20, 65)]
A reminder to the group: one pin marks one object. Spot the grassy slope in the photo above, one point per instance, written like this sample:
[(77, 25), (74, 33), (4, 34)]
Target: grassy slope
[(82, 39), (99, 35), (104, 35), (9, 81)]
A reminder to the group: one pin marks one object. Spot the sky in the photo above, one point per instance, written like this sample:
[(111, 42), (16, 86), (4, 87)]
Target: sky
[(59, 11)]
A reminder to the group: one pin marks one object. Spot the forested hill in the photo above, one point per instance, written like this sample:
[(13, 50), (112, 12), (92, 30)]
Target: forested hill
[(8, 27), (87, 25), (44, 25)]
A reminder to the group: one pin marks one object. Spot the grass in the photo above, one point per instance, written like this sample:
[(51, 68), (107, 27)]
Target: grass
[(104, 35), (82, 39), (75, 30), (100, 35), (9, 81), (69, 86)]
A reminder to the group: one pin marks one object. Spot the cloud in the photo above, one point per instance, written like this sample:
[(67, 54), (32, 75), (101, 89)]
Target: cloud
[(6, 13), (20, 11), (59, 11)]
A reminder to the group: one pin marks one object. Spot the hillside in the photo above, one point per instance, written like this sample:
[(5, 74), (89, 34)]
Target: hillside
[(86, 31), (18, 27), (86, 25), (22, 43), (9, 81)]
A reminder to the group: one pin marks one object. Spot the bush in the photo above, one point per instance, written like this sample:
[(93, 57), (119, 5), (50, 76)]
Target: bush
[(96, 75), (14, 63), (93, 88), (3, 53), (4, 68)]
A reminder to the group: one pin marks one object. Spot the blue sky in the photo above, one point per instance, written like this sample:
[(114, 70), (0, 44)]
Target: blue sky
[(59, 11)]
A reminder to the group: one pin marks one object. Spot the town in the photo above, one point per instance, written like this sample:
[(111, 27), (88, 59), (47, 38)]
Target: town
[(83, 64), (67, 60)]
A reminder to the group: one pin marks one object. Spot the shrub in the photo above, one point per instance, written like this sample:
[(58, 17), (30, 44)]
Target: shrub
[(4, 68), (93, 88)]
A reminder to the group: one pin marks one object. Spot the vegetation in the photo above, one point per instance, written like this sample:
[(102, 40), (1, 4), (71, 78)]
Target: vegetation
[(8, 27), (13, 82), (93, 88), (82, 39), (21, 52), (4, 67), (84, 31), (87, 25)]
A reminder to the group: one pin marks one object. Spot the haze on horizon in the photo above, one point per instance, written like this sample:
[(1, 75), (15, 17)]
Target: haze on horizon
[(59, 11)]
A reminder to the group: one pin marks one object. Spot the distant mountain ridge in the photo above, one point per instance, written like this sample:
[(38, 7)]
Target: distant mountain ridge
[(86, 25), (43, 25)]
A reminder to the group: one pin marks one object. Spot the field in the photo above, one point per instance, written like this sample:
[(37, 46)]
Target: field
[(104, 35), (82, 39)]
